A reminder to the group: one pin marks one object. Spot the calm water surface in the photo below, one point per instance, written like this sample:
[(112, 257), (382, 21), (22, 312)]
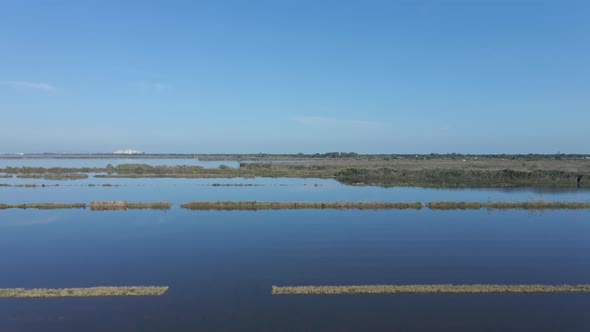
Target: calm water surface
[(179, 191), (220, 266)]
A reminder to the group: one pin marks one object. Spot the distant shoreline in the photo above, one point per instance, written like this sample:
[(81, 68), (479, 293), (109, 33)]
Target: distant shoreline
[(293, 156)]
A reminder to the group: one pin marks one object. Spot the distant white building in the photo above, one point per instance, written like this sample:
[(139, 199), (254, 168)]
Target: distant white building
[(127, 152)]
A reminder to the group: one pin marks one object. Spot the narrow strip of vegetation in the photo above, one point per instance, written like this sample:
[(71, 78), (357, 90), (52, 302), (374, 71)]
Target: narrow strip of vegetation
[(54, 176), (124, 205), (152, 205), (428, 289), (530, 205), (94, 206), (455, 205), (28, 185), (44, 206), (253, 205), (22, 293)]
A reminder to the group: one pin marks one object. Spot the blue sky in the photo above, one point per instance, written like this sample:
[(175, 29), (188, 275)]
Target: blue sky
[(295, 76)]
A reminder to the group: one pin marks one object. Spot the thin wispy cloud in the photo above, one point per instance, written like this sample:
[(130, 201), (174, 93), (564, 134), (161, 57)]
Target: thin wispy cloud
[(29, 85), (320, 121), (152, 86)]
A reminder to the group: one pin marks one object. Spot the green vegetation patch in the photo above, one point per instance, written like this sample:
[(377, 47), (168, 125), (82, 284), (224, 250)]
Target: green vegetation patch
[(427, 289)]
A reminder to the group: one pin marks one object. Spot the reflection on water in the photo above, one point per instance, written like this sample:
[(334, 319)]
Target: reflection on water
[(179, 191), (220, 266)]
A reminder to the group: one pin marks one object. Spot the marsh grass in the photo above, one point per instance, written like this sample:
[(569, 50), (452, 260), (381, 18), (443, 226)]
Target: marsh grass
[(54, 176), (108, 205), (124, 205), (70, 176), (82, 292), (253, 205), (530, 205), (152, 205), (44, 206), (454, 205), (427, 289), (429, 171), (537, 205), (28, 185), (29, 176)]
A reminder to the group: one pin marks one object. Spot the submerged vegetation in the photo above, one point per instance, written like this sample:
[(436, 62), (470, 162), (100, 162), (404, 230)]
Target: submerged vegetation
[(427, 289), (82, 292)]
